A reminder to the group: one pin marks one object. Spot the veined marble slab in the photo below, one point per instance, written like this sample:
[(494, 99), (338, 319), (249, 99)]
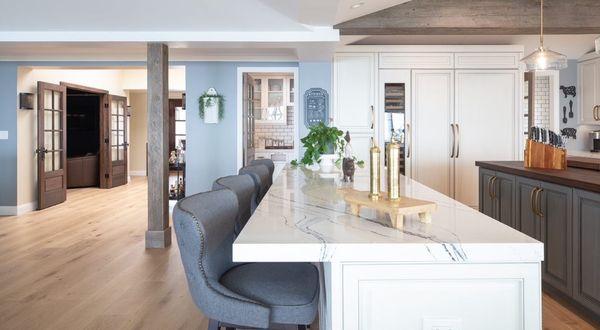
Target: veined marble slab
[(304, 218)]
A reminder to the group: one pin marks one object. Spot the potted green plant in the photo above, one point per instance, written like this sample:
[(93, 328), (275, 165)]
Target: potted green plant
[(321, 144)]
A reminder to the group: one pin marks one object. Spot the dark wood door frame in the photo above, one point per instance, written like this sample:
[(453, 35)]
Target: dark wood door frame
[(104, 162)]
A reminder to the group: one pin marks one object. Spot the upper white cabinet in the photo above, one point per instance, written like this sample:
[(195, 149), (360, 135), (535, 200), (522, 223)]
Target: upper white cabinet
[(589, 90), (416, 61), (486, 60), (354, 86)]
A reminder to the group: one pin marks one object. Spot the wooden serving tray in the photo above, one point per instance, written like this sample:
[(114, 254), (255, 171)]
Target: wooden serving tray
[(395, 209), (584, 162)]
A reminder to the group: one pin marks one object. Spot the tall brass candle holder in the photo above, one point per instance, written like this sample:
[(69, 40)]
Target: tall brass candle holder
[(393, 170), (374, 183)]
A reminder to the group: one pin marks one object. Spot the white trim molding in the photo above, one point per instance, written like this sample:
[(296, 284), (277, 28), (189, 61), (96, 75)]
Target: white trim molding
[(239, 122)]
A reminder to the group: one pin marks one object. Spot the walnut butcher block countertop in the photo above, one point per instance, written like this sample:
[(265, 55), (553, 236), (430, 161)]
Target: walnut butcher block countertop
[(571, 177)]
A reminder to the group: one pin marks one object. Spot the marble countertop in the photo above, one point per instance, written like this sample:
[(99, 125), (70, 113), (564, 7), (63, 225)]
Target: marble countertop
[(304, 218)]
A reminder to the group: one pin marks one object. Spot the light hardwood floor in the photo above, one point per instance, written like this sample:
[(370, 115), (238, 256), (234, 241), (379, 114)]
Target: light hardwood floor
[(82, 265)]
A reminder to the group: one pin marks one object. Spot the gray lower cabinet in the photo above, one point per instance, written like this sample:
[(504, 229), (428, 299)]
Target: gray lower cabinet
[(555, 214), (497, 196), (528, 222), (586, 249), (565, 219), (486, 200)]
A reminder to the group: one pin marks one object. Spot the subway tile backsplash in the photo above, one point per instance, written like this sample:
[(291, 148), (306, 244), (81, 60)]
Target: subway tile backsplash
[(262, 132)]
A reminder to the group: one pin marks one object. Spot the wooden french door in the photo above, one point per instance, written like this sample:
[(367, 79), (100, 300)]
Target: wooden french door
[(118, 142), (52, 144), (248, 119)]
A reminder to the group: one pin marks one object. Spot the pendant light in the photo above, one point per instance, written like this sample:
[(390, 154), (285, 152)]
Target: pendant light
[(543, 58)]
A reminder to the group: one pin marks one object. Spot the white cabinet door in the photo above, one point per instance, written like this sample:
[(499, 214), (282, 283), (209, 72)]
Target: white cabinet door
[(354, 99), (432, 109), (485, 111), (354, 91), (589, 90)]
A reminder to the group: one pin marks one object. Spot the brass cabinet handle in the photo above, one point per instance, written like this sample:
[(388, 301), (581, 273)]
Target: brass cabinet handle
[(494, 187), (453, 141), (490, 187), (596, 115), (457, 140), (409, 146), (372, 117), (531, 199), (539, 202)]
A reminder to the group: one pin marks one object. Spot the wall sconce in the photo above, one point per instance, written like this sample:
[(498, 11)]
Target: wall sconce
[(26, 101)]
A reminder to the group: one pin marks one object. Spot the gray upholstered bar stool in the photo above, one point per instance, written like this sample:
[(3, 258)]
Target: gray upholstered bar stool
[(267, 162), (246, 192), (261, 176), (252, 295)]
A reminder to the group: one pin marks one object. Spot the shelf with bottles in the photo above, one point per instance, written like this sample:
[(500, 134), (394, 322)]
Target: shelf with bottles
[(394, 97)]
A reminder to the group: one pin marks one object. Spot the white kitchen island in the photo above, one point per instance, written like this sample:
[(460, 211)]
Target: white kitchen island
[(462, 271)]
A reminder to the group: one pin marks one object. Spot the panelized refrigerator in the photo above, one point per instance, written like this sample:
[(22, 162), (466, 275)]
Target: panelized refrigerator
[(394, 115)]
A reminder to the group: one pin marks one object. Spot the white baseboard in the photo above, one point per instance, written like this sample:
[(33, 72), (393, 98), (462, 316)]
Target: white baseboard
[(8, 210), (137, 173), (27, 207)]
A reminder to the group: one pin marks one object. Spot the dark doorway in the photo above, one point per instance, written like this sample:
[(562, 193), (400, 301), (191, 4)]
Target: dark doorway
[(83, 138)]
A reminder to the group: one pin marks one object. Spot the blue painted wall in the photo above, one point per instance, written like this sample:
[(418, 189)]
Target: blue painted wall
[(313, 75), (8, 122), (211, 148)]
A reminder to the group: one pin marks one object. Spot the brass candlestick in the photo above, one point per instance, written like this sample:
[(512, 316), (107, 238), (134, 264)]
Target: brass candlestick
[(374, 186), (393, 167)]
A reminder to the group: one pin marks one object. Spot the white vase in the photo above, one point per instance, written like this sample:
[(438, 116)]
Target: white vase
[(327, 163)]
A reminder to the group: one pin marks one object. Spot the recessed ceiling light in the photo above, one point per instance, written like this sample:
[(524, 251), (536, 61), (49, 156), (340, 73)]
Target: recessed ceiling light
[(356, 5)]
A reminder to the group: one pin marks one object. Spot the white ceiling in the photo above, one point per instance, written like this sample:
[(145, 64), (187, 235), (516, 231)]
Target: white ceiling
[(274, 30)]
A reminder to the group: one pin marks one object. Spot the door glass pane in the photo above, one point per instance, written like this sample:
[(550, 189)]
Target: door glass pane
[(57, 101), (57, 119), (275, 85), (121, 125), (121, 108), (121, 138), (179, 113), (113, 121), (275, 99), (48, 140), (121, 153), (114, 108), (56, 140), (180, 127), (48, 119), (114, 155), (47, 99), (57, 160), (48, 162), (113, 138)]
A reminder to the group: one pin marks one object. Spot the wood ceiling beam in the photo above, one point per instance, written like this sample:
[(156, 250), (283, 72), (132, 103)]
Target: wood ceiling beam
[(478, 17)]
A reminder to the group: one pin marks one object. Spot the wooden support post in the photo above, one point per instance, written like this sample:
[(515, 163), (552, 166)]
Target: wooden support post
[(159, 231)]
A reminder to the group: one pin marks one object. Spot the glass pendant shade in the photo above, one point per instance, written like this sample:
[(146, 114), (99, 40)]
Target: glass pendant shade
[(545, 59)]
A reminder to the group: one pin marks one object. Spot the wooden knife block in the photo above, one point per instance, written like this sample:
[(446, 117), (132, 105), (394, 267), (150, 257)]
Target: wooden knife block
[(539, 155)]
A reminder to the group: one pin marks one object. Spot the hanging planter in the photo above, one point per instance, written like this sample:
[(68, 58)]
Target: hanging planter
[(211, 106)]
